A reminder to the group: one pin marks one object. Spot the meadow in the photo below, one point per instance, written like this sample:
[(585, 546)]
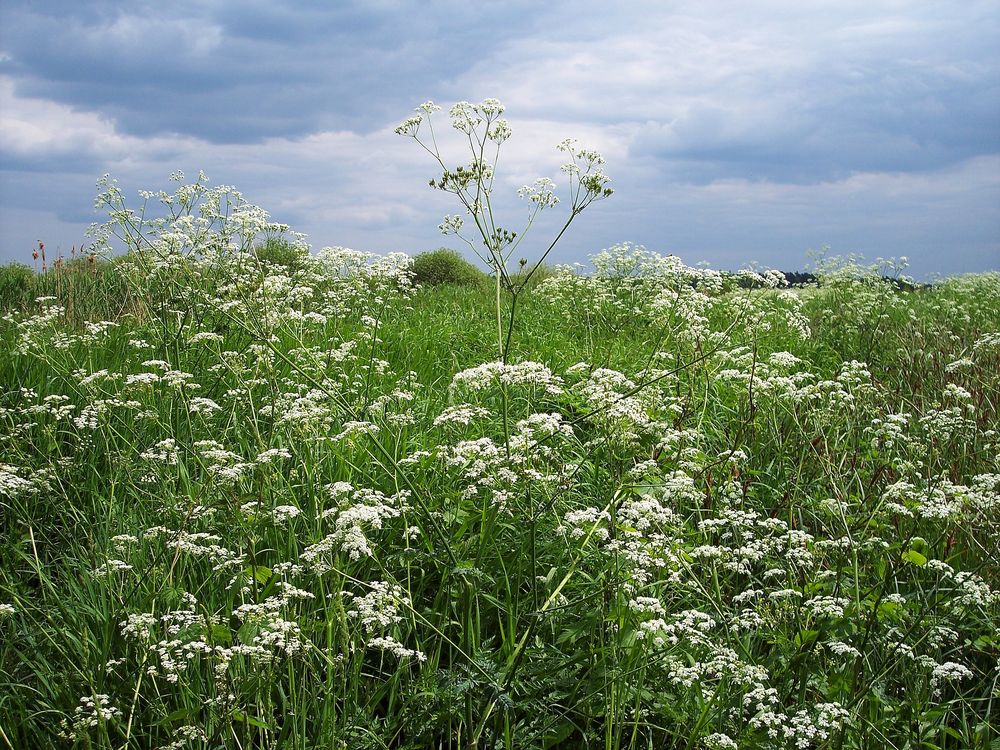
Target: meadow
[(253, 496), (280, 500)]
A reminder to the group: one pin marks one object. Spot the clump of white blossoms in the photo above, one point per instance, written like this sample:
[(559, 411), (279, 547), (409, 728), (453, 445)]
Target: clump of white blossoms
[(628, 283), (499, 374), (92, 712), (460, 414), (379, 608), (950, 671), (357, 514), (719, 741)]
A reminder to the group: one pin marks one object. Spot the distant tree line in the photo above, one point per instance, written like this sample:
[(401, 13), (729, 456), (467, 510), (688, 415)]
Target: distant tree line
[(806, 278), (800, 278)]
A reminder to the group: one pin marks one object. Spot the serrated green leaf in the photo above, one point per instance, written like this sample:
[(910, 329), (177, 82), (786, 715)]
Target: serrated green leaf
[(221, 634)]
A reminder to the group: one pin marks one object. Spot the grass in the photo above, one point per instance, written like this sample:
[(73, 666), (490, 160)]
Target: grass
[(249, 502)]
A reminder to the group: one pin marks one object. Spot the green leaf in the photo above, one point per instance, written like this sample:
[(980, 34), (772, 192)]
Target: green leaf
[(913, 557), (251, 720), (804, 637), (247, 633), (262, 574), (986, 642), (558, 734), (221, 634), (889, 610), (181, 714)]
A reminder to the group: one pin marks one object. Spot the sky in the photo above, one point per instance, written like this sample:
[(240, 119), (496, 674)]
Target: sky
[(735, 133)]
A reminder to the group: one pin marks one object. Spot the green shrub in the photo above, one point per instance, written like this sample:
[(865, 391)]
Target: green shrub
[(17, 286), (88, 287), (281, 252), (446, 266), (527, 279)]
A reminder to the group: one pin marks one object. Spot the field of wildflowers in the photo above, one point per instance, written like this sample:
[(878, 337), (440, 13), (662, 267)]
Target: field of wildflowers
[(288, 500)]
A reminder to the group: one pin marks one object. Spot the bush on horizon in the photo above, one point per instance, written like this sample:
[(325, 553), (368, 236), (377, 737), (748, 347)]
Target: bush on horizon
[(446, 266)]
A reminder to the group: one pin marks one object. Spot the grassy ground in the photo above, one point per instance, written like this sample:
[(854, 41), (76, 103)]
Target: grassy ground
[(252, 505)]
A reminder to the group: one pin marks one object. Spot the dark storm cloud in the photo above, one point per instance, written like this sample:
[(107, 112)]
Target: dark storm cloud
[(239, 72), (775, 90), (766, 91), (912, 122)]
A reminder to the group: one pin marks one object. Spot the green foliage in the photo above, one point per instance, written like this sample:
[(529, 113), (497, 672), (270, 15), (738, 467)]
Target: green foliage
[(446, 266), (17, 286), (282, 253), (89, 288), (529, 279), (296, 506)]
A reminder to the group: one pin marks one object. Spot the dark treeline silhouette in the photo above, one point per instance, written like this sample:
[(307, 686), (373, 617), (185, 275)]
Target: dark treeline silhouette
[(806, 278), (800, 278)]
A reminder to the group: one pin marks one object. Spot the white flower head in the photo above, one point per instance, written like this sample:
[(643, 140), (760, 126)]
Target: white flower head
[(491, 107), (596, 183), (451, 224), (409, 126), (568, 145), (541, 193), (464, 117), (499, 131)]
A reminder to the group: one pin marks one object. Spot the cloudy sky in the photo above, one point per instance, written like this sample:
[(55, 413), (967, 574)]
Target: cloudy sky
[(734, 132)]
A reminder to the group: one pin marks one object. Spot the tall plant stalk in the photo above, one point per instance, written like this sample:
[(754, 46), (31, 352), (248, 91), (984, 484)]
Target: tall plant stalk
[(472, 184)]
